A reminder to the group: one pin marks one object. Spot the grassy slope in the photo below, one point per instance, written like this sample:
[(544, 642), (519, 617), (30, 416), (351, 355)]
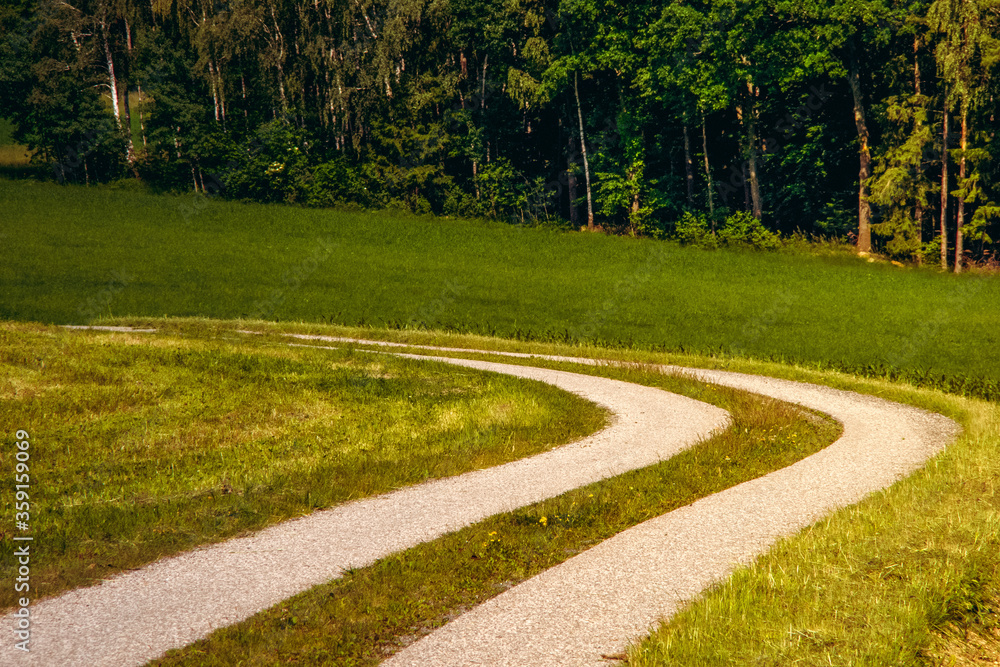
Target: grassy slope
[(72, 254), (60, 268), (143, 445)]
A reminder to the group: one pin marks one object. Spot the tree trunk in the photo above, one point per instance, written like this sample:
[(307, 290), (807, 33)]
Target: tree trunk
[(142, 119), (124, 128), (222, 96), (864, 154), (482, 94), (583, 151), (708, 171), (574, 216), (688, 164), (127, 105), (746, 186), (215, 90), (126, 113), (111, 74), (918, 208), (944, 187), (755, 199), (243, 85), (960, 217), (127, 122), (280, 40)]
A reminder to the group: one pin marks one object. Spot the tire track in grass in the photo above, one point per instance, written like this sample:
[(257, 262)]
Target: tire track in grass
[(594, 604), (132, 618)]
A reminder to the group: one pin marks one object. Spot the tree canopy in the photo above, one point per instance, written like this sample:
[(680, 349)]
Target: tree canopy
[(871, 118)]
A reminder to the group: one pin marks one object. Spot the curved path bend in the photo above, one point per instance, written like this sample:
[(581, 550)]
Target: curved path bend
[(596, 603), (134, 617)]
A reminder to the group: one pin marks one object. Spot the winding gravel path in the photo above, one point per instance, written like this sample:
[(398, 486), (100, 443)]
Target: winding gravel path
[(592, 605), (137, 616), (595, 604)]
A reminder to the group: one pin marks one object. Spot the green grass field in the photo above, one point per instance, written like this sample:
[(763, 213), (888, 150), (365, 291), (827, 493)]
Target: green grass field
[(11, 154), (912, 574), (75, 255)]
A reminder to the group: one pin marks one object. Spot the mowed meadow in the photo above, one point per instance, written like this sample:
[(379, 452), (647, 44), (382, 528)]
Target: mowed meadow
[(73, 254)]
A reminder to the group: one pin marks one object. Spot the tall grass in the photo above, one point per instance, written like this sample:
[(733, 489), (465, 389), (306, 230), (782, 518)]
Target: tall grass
[(75, 254)]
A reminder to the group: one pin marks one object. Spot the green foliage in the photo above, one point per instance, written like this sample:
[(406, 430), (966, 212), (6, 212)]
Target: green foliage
[(743, 230), (695, 230), (337, 182), (477, 108), (929, 252), (49, 89), (900, 184), (274, 166), (739, 230)]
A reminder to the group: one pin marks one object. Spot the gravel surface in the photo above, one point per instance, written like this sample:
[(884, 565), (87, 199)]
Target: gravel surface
[(137, 616), (595, 604)]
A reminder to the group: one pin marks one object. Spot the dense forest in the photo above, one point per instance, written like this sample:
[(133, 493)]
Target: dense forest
[(868, 119)]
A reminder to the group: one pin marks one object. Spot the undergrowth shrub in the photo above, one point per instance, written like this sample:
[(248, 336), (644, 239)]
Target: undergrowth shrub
[(742, 230), (739, 230), (695, 230), (337, 182)]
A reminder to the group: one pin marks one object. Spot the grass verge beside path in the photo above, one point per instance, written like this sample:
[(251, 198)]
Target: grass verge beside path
[(371, 612), (899, 579), (147, 445)]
